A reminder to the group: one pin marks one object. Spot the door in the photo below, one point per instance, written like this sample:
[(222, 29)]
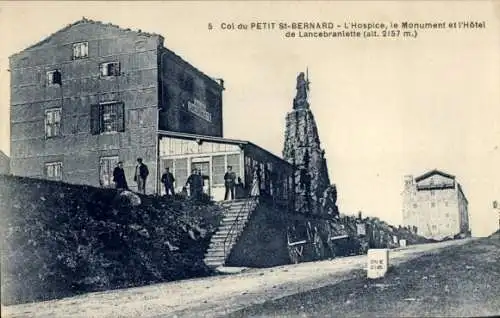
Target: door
[(204, 166), (106, 167)]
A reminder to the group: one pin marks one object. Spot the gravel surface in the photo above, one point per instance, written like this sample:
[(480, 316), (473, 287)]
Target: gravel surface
[(220, 295)]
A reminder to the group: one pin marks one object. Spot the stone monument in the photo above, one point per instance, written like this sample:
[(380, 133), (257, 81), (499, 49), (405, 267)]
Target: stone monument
[(302, 148)]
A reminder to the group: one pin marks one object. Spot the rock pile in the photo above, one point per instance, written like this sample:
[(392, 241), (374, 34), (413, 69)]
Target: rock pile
[(59, 239)]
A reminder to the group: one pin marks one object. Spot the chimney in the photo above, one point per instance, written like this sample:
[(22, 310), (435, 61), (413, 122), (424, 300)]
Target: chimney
[(408, 181)]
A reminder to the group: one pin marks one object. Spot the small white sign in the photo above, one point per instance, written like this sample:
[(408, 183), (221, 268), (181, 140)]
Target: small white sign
[(378, 263), (402, 243)]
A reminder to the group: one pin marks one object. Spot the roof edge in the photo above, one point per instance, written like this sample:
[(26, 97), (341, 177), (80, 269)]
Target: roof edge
[(86, 20), (432, 172)]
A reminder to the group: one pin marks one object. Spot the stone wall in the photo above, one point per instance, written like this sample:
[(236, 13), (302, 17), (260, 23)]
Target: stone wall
[(263, 243)]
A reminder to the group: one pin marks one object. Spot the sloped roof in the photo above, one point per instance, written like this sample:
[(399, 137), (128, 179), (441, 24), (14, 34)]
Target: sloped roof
[(138, 32), (3, 155), (433, 172), (85, 20)]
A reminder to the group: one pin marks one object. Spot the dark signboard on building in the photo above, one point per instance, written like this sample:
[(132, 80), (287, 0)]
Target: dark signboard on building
[(191, 102)]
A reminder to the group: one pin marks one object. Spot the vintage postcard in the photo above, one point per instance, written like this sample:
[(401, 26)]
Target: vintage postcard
[(250, 159)]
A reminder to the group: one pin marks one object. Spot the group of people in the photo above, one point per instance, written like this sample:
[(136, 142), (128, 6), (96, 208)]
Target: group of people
[(140, 176), (195, 181)]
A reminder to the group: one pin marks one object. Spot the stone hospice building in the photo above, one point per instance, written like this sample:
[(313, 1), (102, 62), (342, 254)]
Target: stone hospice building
[(93, 94), (436, 205)]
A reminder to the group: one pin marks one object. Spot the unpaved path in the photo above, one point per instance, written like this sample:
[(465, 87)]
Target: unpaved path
[(213, 296)]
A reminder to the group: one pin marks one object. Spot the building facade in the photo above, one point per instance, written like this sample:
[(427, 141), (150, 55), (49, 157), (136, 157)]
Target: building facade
[(92, 94), (435, 204), (212, 155)]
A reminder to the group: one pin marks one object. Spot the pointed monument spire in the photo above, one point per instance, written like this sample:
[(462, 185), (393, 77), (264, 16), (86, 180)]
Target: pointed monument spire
[(302, 148), (301, 98)]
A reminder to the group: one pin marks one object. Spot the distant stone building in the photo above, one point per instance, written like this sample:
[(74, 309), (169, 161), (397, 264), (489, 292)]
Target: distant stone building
[(93, 94), (4, 163), (435, 204), (302, 148)]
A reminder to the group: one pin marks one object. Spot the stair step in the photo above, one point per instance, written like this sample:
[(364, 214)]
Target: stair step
[(214, 265), (215, 254), (214, 259)]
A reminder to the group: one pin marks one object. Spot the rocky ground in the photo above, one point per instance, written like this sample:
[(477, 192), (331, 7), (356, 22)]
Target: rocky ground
[(267, 292), (60, 240)]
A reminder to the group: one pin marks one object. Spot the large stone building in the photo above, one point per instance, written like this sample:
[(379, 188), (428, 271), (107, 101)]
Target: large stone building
[(436, 205), (93, 94)]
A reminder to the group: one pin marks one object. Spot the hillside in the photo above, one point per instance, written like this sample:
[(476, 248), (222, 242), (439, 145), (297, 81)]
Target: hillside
[(60, 240)]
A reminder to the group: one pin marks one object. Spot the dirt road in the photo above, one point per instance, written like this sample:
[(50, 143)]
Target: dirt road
[(214, 296), (460, 281)]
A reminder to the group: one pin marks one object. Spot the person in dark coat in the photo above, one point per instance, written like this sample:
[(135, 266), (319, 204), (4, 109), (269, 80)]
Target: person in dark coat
[(229, 183), (119, 177), (141, 175), (168, 181), (194, 184)]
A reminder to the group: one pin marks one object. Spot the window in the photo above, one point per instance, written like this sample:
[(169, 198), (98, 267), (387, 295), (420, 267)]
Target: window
[(432, 192), (446, 203), (433, 205), (110, 69), (415, 205), (52, 122), (234, 162), (180, 172), (53, 170), (218, 169), (107, 117), (80, 50), (54, 77), (434, 227), (106, 168)]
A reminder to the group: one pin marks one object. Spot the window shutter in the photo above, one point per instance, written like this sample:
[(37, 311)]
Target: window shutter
[(120, 117), (85, 49), (76, 51), (104, 69), (95, 128)]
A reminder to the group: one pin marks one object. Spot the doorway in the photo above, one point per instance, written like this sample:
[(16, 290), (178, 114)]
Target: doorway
[(204, 166)]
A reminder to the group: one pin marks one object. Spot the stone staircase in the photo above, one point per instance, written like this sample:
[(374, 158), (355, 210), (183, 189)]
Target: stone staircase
[(215, 255)]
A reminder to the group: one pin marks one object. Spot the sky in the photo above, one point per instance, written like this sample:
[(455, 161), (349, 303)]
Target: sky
[(385, 107)]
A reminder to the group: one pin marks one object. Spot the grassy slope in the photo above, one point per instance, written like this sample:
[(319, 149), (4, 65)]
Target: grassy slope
[(59, 240), (460, 281)]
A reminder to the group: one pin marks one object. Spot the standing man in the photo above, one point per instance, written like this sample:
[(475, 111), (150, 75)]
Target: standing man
[(168, 181), (140, 176), (119, 177), (229, 182), (193, 184)]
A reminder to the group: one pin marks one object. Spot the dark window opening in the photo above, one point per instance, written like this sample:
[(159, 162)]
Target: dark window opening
[(54, 77), (110, 69)]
